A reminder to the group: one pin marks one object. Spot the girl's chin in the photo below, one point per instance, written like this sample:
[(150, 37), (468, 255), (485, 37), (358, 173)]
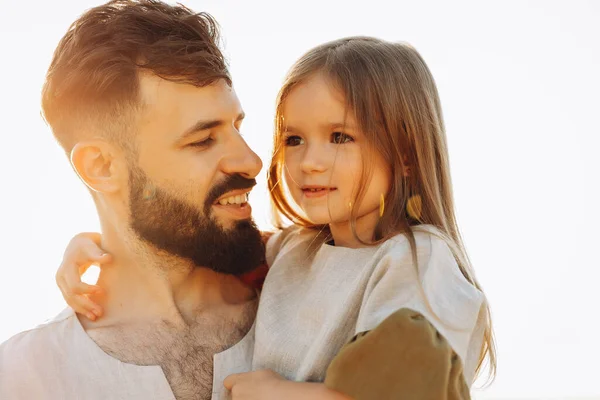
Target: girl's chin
[(321, 219), (318, 220)]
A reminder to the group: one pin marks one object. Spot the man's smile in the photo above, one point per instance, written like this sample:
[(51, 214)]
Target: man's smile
[(235, 203)]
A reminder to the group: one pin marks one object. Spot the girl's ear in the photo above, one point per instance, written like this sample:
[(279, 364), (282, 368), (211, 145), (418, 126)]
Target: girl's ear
[(406, 172)]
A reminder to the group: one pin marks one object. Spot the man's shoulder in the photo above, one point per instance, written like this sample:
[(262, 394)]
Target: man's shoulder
[(40, 339), (45, 362)]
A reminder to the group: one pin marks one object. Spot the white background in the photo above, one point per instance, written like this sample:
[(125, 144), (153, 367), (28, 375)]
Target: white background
[(520, 88)]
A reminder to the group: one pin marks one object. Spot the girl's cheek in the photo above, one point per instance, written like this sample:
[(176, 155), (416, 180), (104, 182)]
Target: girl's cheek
[(290, 186), (291, 163)]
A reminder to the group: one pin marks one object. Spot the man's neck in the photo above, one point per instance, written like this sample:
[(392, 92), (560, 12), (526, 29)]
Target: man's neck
[(143, 284)]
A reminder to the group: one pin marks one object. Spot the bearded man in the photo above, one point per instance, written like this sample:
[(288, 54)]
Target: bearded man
[(139, 96)]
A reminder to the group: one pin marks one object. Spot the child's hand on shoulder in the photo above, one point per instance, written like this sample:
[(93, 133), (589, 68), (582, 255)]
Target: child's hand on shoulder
[(257, 385), (82, 251), (269, 385)]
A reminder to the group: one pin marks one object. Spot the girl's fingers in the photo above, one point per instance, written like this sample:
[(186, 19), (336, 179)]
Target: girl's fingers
[(231, 380), (62, 285), (79, 302), (94, 255), (89, 253), (72, 277), (99, 261), (84, 288), (266, 235), (84, 248), (94, 236), (83, 305), (77, 291), (70, 273), (104, 258), (82, 251)]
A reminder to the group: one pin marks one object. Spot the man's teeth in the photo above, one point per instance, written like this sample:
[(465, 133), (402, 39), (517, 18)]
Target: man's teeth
[(239, 199)]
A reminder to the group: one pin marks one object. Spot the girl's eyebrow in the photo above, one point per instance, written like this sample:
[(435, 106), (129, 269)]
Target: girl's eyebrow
[(290, 129), (339, 125), (330, 126)]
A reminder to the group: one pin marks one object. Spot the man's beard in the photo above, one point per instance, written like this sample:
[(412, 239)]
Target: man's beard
[(182, 230)]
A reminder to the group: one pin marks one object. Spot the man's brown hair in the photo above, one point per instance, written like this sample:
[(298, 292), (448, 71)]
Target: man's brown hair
[(92, 84)]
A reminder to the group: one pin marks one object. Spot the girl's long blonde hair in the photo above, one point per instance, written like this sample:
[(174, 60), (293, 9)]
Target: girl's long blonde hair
[(394, 99)]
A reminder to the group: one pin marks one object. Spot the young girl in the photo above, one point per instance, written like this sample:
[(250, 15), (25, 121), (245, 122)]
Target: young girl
[(360, 167)]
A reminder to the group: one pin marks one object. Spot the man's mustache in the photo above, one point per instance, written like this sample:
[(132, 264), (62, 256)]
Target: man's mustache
[(232, 182)]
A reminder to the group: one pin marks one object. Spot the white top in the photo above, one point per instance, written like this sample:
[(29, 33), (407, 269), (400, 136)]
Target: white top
[(58, 361), (316, 297)]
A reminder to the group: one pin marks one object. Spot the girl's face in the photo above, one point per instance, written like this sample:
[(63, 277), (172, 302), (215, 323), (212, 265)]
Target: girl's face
[(323, 155)]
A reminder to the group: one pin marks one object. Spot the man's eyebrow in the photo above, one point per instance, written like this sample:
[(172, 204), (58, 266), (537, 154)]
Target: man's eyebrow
[(208, 124)]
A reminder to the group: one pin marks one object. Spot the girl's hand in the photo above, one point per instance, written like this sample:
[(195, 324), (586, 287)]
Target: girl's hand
[(82, 251), (268, 385), (266, 235), (258, 385)]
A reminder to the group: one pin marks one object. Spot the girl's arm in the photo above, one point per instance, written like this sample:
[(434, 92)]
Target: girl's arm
[(84, 250), (81, 252), (422, 329), (404, 355), (268, 385)]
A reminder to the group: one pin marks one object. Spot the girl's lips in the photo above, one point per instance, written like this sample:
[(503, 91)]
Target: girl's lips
[(312, 193)]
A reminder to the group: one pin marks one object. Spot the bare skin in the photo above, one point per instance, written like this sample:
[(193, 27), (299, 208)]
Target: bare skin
[(176, 319), (158, 308), (184, 351)]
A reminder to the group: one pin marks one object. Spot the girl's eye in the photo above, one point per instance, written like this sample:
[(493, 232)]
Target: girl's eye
[(293, 141), (203, 143), (341, 138)]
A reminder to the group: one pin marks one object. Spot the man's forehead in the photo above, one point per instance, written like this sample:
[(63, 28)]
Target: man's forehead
[(215, 100)]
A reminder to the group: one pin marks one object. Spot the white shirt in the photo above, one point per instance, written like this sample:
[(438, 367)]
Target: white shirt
[(58, 360), (316, 297)]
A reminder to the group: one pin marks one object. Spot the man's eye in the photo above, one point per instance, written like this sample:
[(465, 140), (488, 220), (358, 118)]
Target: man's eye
[(203, 143), (341, 138), (293, 141)]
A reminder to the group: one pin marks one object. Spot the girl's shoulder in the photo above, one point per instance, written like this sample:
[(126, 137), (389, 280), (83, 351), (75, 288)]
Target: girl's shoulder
[(435, 255), (429, 242), (436, 287), (287, 236)]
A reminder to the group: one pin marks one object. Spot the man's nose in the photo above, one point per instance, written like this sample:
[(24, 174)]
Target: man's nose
[(241, 159)]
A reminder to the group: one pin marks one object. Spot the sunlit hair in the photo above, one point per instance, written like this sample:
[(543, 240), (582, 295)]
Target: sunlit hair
[(92, 84), (392, 95)]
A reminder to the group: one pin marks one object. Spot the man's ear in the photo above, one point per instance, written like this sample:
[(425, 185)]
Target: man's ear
[(99, 165)]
